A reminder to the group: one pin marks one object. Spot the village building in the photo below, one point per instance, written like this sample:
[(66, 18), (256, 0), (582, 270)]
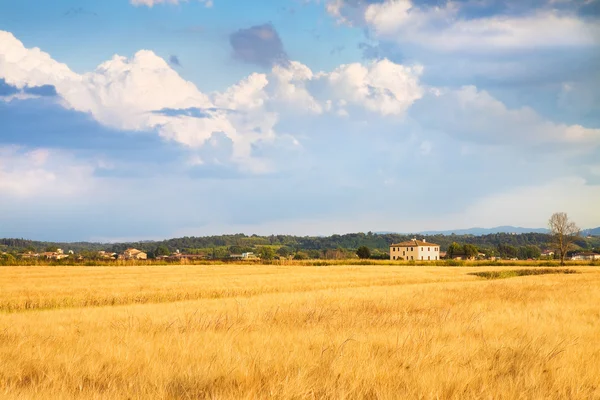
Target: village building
[(586, 256), (415, 250), (106, 255), (54, 255), (547, 254), (30, 254), (134, 254), (245, 256)]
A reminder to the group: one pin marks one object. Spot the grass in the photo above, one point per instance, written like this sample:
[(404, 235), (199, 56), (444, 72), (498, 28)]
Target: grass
[(340, 332), (511, 273)]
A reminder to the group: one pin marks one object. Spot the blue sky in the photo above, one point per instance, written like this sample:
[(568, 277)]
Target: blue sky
[(147, 119)]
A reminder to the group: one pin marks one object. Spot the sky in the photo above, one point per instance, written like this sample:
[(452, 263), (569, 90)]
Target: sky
[(147, 119)]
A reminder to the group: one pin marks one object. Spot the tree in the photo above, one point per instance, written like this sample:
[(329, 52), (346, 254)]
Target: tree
[(564, 232), (266, 253), (7, 259), (284, 251), (162, 250), (454, 250), (363, 252), (470, 251)]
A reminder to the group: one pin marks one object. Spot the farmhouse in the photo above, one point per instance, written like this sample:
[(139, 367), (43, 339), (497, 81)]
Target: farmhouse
[(586, 256), (415, 250), (547, 254), (245, 256), (134, 254), (54, 255)]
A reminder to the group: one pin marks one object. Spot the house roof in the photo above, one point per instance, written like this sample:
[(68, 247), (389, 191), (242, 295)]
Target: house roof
[(133, 251), (413, 243)]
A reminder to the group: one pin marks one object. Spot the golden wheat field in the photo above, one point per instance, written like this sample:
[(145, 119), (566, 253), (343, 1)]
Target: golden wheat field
[(294, 332)]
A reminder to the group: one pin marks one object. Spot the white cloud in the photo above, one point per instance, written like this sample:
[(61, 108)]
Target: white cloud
[(475, 115), (122, 91), (382, 86), (130, 93), (442, 28), (144, 93), (288, 87), (151, 3), (22, 67), (42, 173)]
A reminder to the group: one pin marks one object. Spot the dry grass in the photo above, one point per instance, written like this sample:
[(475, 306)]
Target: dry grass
[(297, 332)]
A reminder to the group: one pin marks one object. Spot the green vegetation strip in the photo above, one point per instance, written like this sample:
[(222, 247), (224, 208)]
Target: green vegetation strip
[(521, 272)]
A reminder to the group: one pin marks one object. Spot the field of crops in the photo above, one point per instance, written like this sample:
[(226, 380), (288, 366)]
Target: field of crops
[(267, 331)]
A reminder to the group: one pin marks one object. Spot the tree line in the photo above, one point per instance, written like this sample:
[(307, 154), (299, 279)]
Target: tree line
[(505, 245)]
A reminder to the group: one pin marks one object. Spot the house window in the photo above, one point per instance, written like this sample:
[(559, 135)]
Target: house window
[(421, 258), (429, 249), (421, 249), (436, 257), (394, 257), (411, 257), (403, 253), (428, 258), (411, 249)]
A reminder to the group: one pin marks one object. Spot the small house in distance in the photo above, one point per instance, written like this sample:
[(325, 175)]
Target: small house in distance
[(134, 254), (415, 250), (588, 256), (245, 256)]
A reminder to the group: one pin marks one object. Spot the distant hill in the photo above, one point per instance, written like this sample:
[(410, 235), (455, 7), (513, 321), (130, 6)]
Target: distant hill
[(592, 232), (223, 245), (479, 231), (487, 231)]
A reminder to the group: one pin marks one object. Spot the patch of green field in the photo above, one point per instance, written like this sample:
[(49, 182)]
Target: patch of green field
[(521, 272)]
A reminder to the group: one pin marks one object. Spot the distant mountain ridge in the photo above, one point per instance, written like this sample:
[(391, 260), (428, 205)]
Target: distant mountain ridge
[(497, 229), (592, 232), (487, 231)]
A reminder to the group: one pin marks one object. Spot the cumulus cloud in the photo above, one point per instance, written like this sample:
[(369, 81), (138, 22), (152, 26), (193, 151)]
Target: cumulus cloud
[(289, 88), (260, 45), (145, 93), (381, 86), (474, 115), (445, 28), (23, 67), (125, 93)]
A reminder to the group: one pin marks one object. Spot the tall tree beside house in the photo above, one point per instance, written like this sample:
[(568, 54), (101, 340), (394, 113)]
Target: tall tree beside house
[(363, 252), (454, 250), (564, 233), (470, 251)]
